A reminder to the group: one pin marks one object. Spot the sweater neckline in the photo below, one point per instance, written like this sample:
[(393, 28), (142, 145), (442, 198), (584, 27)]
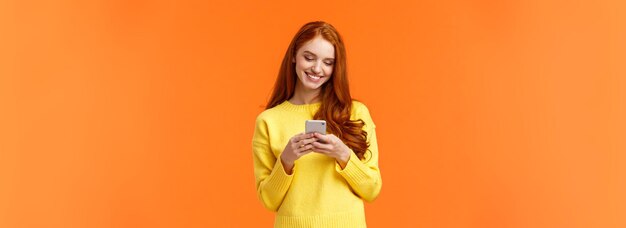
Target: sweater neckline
[(303, 107)]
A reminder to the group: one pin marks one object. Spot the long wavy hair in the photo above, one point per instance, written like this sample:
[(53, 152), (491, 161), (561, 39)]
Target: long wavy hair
[(336, 102)]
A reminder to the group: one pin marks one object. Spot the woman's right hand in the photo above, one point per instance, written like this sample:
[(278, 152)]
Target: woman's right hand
[(298, 146)]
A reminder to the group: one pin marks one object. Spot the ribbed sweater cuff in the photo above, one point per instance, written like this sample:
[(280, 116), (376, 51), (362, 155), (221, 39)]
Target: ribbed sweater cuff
[(354, 170), (279, 179)]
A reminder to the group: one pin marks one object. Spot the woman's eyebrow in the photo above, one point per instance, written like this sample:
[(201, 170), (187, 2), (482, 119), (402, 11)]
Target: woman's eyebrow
[(308, 52)]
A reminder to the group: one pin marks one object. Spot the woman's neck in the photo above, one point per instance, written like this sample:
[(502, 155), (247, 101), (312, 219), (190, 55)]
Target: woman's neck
[(303, 96)]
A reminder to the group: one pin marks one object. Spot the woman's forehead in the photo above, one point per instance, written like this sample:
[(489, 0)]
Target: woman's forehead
[(320, 47)]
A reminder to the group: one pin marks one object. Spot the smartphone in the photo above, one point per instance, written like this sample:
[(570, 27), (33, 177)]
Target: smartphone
[(318, 126)]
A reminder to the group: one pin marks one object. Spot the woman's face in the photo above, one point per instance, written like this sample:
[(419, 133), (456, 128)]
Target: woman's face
[(314, 63)]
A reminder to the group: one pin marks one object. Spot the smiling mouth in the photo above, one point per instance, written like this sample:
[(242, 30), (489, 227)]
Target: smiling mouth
[(313, 77)]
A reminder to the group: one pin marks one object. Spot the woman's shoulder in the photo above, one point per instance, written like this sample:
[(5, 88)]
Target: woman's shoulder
[(268, 113), (275, 112), (359, 107), (360, 111)]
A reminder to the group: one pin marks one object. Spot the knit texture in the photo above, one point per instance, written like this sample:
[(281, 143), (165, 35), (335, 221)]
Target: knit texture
[(318, 193)]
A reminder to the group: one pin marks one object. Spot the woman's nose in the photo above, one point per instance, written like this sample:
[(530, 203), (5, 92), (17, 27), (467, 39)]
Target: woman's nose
[(316, 68)]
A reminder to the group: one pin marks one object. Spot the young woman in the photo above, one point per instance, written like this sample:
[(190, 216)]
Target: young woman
[(315, 180)]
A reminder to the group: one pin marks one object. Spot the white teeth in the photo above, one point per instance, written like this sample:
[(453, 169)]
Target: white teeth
[(313, 77)]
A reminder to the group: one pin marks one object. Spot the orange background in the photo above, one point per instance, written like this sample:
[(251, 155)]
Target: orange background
[(140, 113)]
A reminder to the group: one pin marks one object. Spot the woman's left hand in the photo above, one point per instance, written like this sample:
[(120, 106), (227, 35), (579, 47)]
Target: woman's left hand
[(332, 146)]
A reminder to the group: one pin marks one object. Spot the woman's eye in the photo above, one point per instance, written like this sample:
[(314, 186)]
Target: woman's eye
[(328, 63), (308, 58)]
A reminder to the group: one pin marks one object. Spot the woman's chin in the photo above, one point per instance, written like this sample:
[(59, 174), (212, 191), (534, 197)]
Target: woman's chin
[(313, 86)]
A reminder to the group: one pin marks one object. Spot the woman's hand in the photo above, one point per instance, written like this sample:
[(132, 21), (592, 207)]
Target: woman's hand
[(298, 146), (332, 146)]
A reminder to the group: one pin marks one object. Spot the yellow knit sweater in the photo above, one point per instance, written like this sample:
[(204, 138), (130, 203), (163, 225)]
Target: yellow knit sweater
[(318, 193)]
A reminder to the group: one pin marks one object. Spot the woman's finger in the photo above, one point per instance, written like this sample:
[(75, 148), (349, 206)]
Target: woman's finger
[(303, 143), (321, 146), (325, 138), (303, 136), (296, 138), (302, 150), (308, 141)]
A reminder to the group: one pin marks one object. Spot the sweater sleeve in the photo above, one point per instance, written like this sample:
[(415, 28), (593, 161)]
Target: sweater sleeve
[(272, 182), (364, 175)]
